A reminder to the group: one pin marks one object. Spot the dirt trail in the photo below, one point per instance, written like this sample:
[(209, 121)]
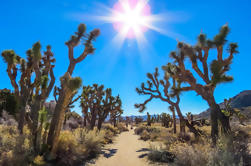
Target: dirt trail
[(127, 150)]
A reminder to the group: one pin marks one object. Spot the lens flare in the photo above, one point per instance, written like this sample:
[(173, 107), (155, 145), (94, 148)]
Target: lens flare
[(131, 17)]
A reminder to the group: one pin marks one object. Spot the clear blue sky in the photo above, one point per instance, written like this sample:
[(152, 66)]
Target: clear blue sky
[(52, 22)]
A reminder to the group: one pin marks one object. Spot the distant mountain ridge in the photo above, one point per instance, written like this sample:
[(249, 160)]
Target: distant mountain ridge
[(241, 101)]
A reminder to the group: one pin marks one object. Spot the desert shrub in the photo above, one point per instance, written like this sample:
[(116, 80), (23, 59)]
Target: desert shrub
[(139, 130), (111, 128), (39, 161), (108, 136), (93, 142), (145, 135), (149, 132), (234, 154), (202, 153), (15, 149), (222, 158), (79, 145), (121, 127), (185, 137), (187, 155), (149, 129), (161, 156)]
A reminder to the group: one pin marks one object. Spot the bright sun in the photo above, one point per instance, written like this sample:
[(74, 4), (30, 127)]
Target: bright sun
[(131, 18)]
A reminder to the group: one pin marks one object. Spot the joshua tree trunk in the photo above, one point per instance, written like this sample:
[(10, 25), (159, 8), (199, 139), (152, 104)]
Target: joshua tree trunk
[(216, 115), (58, 118), (93, 122), (100, 121), (21, 119), (84, 121), (22, 115), (36, 107), (174, 122), (114, 123)]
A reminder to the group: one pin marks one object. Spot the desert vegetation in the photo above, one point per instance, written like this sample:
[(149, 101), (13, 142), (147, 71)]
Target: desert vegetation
[(32, 134), (34, 131), (224, 143)]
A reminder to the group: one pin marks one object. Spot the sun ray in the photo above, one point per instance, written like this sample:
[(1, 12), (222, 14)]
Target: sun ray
[(132, 19)]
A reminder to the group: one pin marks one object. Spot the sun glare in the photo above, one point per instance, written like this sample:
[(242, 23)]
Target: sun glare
[(131, 17)]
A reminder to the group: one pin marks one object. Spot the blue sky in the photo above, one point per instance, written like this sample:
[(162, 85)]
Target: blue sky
[(52, 22)]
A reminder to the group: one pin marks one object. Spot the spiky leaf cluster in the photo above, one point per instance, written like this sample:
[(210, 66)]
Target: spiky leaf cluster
[(87, 39), (10, 57), (74, 83), (211, 73)]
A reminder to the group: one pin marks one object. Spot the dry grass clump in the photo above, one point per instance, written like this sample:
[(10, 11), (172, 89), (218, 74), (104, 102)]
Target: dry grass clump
[(121, 127), (190, 151), (74, 148), (190, 155), (77, 146), (148, 132), (39, 161), (145, 135), (110, 132), (111, 128), (15, 149)]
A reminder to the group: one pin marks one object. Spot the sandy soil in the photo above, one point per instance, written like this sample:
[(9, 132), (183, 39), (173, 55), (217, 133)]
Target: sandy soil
[(127, 150)]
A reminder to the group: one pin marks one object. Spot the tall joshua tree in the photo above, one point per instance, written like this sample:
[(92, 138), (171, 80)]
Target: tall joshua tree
[(43, 68), (105, 107), (210, 75), (23, 87), (165, 91), (30, 89), (116, 111), (68, 84)]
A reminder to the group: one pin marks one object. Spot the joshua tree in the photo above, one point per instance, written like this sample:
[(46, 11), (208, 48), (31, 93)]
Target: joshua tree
[(166, 120), (29, 91), (69, 85), (23, 87), (163, 90), (149, 120), (211, 75), (97, 103), (104, 108), (116, 111), (43, 68), (229, 111), (91, 99)]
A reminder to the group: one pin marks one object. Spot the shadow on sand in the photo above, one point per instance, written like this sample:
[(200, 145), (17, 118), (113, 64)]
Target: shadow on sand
[(107, 153), (143, 150)]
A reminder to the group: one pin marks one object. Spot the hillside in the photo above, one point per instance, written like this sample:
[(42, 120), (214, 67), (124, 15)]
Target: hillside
[(241, 101)]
